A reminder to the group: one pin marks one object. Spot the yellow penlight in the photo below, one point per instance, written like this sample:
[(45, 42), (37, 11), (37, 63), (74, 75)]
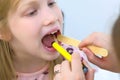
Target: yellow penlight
[(62, 51)]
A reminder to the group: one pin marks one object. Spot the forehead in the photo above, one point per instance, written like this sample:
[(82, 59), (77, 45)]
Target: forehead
[(24, 3), (27, 2), (32, 2)]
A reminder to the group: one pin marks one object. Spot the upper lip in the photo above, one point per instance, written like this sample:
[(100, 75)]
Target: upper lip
[(52, 30)]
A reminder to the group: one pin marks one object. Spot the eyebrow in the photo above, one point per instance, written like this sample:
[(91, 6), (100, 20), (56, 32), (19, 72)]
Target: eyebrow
[(27, 4)]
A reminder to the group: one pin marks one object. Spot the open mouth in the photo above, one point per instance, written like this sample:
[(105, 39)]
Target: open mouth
[(48, 39)]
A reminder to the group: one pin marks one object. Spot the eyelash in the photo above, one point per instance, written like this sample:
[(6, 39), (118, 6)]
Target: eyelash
[(52, 3), (32, 13)]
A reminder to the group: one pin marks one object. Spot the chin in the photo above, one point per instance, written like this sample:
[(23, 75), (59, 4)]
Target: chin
[(53, 57)]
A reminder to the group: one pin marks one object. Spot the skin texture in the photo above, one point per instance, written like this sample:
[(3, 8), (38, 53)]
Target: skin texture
[(101, 40), (32, 20), (73, 70)]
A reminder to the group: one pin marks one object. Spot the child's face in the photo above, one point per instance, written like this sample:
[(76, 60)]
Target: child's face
[(32, 20)]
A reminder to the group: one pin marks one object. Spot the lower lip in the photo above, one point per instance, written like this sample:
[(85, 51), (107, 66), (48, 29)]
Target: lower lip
[(49, 49)]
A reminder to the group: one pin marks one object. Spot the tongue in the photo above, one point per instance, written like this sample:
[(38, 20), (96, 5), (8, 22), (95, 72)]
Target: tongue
[(47, 40)]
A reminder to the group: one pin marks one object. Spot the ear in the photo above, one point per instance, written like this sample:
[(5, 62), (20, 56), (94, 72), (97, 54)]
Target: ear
[(5, 37), (5, 34)]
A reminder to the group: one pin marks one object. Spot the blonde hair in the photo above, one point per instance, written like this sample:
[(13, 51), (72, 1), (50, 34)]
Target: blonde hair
[(7, 71), (6, 64)]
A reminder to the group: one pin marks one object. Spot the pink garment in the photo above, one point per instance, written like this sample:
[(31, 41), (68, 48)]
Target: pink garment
[(71, 49), (39, 75)]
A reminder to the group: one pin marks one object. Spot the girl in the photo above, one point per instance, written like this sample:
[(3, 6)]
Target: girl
[(27, 28)]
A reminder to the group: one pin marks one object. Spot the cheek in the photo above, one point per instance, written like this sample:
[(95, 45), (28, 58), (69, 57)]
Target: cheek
[(25, 28), (59, 14), (60, 17)]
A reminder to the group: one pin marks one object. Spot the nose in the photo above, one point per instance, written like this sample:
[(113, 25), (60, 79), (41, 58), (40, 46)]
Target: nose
[(50, 16)]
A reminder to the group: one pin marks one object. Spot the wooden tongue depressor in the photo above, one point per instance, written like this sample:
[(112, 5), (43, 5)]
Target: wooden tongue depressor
[(98, 51)]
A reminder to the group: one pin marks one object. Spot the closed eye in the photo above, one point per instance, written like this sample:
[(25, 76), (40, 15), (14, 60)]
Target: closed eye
[(33, 12), (52, 3)]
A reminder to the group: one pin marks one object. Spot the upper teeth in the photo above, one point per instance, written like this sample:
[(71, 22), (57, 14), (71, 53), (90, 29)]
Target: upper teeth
[(53, 32)]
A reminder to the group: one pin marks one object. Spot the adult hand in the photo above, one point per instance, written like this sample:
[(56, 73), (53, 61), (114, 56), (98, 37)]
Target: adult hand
[(101, 40), (73, 70)]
